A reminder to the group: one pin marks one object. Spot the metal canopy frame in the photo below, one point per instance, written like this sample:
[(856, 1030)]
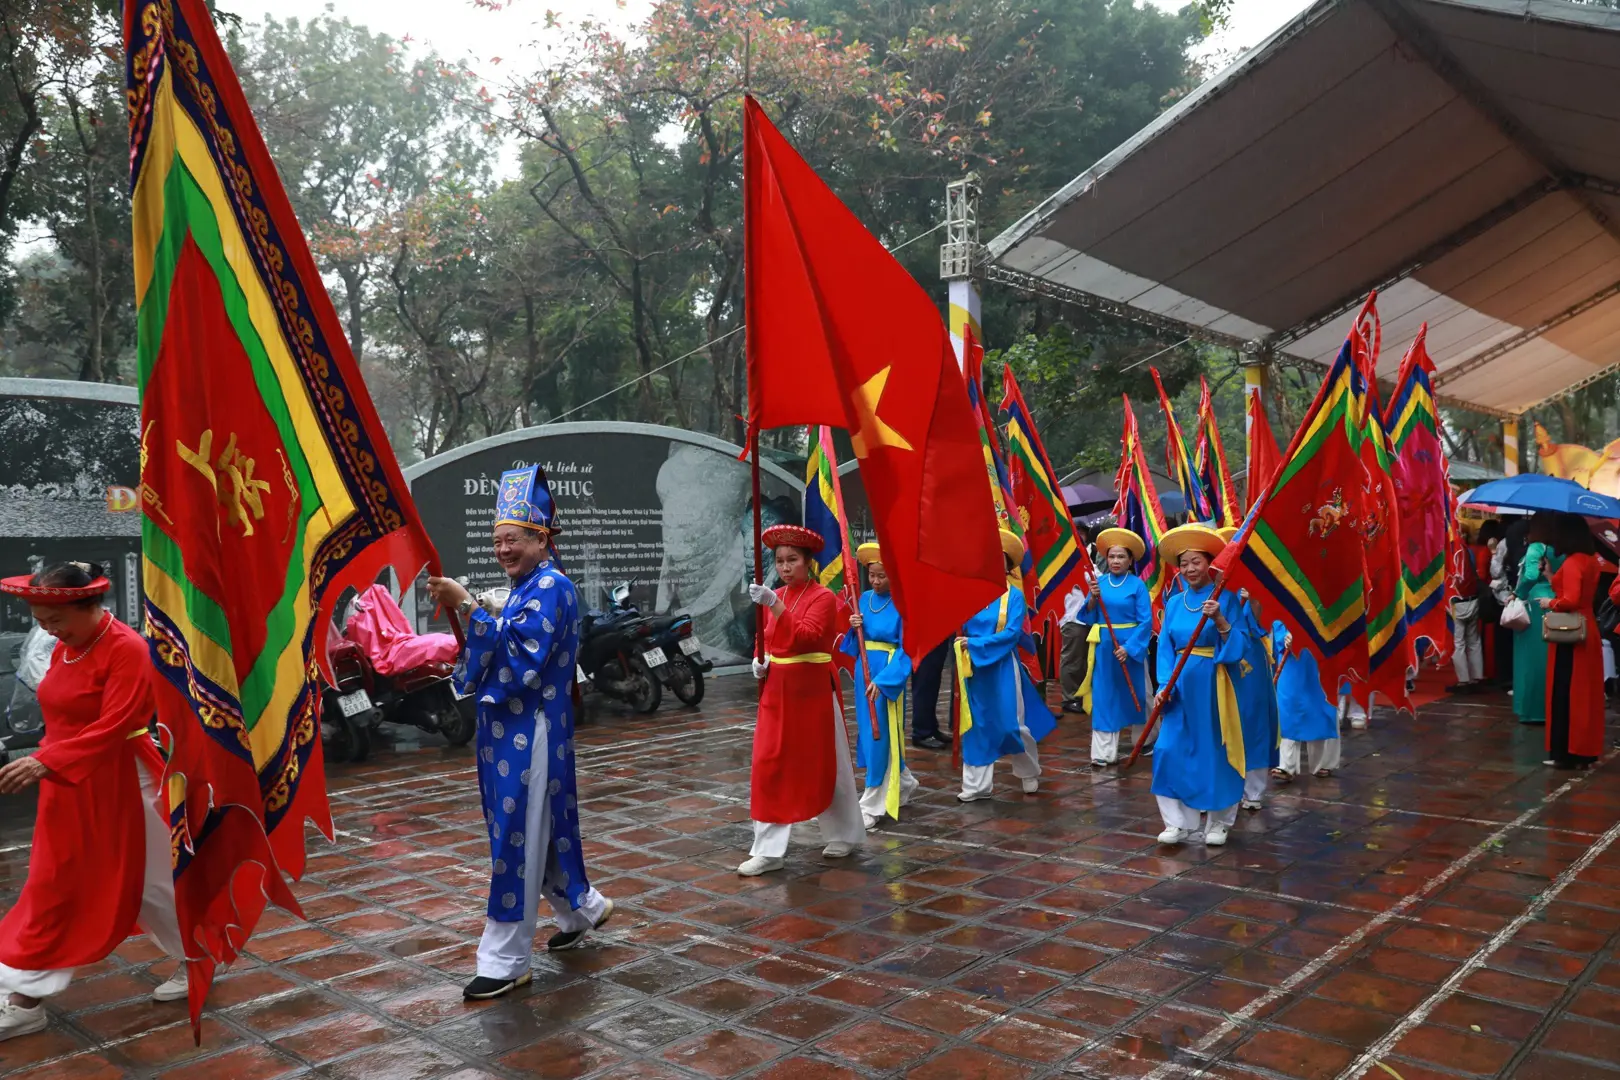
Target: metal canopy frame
[(1090, 215)]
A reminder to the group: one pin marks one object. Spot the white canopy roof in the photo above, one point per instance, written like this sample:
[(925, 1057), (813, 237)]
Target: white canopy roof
[(1462, 156)]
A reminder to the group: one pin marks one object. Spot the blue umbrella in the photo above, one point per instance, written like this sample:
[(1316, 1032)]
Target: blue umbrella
[(1535, 492)]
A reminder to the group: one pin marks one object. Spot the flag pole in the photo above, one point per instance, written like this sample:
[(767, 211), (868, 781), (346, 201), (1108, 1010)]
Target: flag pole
[(759, 559), (851, 568)]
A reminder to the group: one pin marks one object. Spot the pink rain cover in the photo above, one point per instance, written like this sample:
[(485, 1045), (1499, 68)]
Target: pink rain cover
[(379, 627)]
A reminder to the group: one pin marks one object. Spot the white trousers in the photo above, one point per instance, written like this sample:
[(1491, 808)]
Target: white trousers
[(840, 822), (1026, 765), (1468, 656), (1300, 757), (157, 916), (874, 800), (506, 947), (1254, 784), (1106, 748), (1178, 815)]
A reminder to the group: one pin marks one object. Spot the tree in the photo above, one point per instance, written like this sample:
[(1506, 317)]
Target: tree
[(359, 129)]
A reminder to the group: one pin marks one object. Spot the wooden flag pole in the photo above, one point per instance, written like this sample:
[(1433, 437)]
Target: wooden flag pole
[(759, 558), (1169, 684)]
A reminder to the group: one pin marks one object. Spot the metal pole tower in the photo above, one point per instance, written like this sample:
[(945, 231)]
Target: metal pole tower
[(960, 256)]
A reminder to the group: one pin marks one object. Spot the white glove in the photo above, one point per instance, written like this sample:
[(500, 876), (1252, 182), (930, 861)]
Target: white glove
[(762, 595), (762, 666)]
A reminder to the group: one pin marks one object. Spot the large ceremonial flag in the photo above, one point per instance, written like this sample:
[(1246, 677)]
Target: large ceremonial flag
[(1210, 461), (840, 334), (1059, 559), (1178, 462), (1390, 657), (821, 512), (1264, 457), (1422, 489), (267, 485), (1137, 506), (1299, 551)]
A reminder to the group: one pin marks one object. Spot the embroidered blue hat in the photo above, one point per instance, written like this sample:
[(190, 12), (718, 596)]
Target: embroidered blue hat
[(525, 499)]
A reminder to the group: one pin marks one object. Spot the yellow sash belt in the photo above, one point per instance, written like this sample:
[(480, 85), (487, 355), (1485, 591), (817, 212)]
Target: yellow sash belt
[(803, 658), (138, 734), (1226, 703), (964, 671), (1097, 631), (896, 711)]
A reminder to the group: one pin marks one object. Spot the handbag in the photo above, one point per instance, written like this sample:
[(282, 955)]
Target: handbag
[(1515, 616), (1563, 627), (1608, 616)]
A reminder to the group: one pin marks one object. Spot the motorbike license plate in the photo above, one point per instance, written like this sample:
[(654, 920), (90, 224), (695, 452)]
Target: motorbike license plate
[(655, 657), (691, 646), (354, 704)]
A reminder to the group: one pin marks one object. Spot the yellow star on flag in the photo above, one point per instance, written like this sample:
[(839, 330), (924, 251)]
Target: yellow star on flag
[(873, 432)]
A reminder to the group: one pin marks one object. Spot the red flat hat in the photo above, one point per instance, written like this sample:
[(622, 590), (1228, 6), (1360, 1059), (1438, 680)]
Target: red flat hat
[(23, 588), (792, 536)]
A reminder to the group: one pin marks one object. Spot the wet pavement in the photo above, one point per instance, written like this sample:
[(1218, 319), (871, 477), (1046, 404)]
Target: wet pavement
[(1444, 907)]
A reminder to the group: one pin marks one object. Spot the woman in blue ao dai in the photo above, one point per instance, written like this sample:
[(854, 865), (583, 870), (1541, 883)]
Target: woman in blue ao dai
[(1001, 711), (1119, 616), (1199, 760), (1257, 704), (881, 682), (1310, 719)]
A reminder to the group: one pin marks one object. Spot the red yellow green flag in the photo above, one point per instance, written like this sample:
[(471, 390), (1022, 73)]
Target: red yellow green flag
[(1060, 560), (267, 485), (1210, 458), (1137, 507), (1428, 531)]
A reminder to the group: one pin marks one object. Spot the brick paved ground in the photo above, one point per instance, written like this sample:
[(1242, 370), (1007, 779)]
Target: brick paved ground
[(1445, 907)]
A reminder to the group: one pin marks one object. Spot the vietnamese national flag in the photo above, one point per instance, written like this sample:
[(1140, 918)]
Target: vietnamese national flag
[(840, 334)]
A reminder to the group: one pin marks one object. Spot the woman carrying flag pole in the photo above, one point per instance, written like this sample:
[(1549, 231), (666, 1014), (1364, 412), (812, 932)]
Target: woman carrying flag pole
[(1198, 761), (801, 766), (1000, 711), (1119, 615), (879, 747)]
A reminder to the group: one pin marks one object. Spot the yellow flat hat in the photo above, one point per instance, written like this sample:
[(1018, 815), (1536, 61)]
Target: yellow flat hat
[(1011, 545), (1190, 538), (1125, 538), (1228, 532), (867, 554)]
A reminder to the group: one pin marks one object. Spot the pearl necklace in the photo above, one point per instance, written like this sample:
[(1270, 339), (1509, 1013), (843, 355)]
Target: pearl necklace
[(1186, 594), (879, 610), (1120, 584), (106, 624)]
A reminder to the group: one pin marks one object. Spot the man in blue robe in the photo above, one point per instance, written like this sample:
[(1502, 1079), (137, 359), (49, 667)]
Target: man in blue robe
[(519, 665)]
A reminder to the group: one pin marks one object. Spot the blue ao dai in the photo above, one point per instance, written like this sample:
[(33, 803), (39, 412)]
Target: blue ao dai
[(1191, 759)]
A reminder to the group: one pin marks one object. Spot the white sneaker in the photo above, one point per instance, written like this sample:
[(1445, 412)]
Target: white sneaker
[(972, 796), (760, 864), (869, 821), (1358, 722), (173, 990), (1253, 804), (1173, 836), (1032, 784), (1215, 835), (837, 850), (16, 1021)]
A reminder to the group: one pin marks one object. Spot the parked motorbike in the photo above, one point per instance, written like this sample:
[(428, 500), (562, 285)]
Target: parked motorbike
[(632, 657), (360, 699)]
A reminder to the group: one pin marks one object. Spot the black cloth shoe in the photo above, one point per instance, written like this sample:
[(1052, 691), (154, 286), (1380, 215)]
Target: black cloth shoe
[(1073, 707), (569, 939), (931, 742), (484, 988)]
